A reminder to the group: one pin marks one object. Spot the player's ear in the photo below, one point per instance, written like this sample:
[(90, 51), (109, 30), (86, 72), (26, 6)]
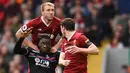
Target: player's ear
[(42, 13), (42, 10), (61, 26), (64, 29)]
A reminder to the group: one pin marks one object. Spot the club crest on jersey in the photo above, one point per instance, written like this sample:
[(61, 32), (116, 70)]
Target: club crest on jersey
[(39, 29), (51, 36)]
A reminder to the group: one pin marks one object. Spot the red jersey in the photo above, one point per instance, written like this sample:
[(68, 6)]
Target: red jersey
[(78, 63), (41, 28)]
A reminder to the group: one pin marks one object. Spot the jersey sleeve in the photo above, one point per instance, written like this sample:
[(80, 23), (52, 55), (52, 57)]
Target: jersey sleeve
[(31, 23), (83, 40)]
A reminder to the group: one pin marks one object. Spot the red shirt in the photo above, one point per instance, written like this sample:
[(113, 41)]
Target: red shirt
[(39, 28), (78, 62)]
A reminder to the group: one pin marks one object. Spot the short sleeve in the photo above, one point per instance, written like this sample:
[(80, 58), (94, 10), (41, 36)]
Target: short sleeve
[(28, 25), (83, 40)]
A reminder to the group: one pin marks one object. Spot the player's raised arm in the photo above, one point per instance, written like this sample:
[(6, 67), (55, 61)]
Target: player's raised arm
[(17, 48), (22, 31), (24, 28), (26, 41), (89, 48), (57, 46)]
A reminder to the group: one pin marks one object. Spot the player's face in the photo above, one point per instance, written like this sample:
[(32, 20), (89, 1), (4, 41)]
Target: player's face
[(44, 45), (48, 12)]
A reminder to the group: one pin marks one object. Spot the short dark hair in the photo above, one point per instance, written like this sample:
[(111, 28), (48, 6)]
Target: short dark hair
[(68, 24)]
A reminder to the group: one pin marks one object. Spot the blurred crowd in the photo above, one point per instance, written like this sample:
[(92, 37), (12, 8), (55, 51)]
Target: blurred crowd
[(97, 19)]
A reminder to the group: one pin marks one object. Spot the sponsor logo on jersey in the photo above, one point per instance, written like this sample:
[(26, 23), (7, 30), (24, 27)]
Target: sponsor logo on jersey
[(52, 36), (42, 63), (39, 29), (47, 35)]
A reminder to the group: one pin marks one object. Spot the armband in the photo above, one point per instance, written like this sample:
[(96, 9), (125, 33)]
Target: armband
[(88, 44)]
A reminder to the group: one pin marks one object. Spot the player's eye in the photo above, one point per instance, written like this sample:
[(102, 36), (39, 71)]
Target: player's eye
[(48, 9), (42, 43), (52, 10)]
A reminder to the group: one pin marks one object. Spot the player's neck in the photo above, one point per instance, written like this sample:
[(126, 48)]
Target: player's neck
[(48, 22), (69, 34)]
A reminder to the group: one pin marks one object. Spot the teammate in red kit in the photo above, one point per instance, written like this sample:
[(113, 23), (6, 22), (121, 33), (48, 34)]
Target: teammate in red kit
[(45, 25), (75, 48)]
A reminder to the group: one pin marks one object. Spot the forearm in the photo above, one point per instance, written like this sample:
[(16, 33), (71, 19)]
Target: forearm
[(28, 43), (64, 62), (58, 45), (18, 34), (92, 49), (17, 47), (61, 58), (61, 61)]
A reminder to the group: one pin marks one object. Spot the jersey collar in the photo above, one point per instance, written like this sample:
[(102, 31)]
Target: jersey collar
[(44, 21), (71, 36)]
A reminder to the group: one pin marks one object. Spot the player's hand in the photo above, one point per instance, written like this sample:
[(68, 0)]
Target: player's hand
[(27, 32), (73, 49), (66, 62)]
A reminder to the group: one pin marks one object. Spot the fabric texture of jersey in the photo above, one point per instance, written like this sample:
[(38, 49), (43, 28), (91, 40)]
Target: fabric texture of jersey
[(78, 62), (38, 62), (40, 28)]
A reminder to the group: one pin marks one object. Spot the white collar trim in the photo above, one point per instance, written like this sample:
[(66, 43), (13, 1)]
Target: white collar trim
[(44, 21), (71, 35)]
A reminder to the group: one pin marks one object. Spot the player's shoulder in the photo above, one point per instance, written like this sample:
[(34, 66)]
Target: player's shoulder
[(57, 19), (35, 20), (56, 22), (79, 35)]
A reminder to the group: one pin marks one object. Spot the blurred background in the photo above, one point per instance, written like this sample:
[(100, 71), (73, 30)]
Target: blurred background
[(105, 22)]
